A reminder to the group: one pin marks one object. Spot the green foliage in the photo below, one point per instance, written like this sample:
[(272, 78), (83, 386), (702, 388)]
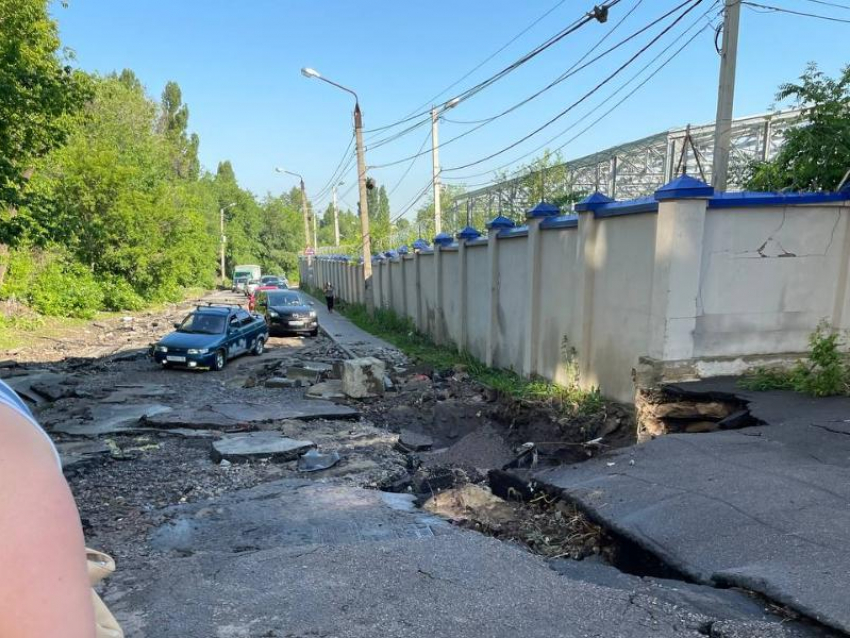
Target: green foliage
[(824, 374), (402, 333), (37, 92), (118, 294), (66, 290), (102, 201), (815, 155)]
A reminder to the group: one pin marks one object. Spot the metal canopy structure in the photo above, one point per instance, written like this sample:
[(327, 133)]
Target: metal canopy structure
[(635, 169)]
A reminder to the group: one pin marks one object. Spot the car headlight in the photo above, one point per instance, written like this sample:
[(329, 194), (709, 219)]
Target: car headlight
[(197, 350), (161, 349), (312, 314), (272, 313)]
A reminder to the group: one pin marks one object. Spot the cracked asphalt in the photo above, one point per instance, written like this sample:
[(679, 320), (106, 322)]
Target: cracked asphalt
[(257, 550), (765, 508)]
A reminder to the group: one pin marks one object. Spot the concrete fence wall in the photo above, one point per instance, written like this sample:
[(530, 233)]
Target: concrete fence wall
[(682, 285)]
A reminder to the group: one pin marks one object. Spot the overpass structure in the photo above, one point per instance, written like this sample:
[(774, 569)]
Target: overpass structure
[(634, 169)]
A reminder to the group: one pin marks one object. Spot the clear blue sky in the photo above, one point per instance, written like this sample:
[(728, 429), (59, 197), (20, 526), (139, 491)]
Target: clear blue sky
[(238, 64)]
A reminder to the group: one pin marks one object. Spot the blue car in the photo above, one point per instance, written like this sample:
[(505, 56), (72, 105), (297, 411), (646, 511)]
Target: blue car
[(210, 336)]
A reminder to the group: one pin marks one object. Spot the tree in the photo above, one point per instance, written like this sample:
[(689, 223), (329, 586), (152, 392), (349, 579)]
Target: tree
[(37, 93), (174, 123), (815, 154)]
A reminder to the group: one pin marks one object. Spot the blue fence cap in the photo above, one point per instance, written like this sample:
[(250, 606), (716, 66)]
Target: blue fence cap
[(592, 202), (500, 222), (443, 239), (468, 233), (403, 250), (684, 187), (421, 244), (544, 209)]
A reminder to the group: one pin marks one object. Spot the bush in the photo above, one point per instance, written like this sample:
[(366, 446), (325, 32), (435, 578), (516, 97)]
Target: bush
[(824, 374), (118, 294), (66, 290)]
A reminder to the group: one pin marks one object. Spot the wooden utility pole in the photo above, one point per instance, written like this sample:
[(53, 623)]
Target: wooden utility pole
[(725, 95)]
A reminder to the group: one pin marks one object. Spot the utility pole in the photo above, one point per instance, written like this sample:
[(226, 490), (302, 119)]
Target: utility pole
[(223, 238), (364, 209), (435, 157), (725, 95), (361, 180), (305, 214), (336, 217)]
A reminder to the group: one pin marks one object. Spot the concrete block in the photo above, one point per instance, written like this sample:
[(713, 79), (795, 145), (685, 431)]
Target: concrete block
[(363, 377)]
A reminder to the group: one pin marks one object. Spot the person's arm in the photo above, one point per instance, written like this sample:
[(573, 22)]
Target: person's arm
[(44, 587)]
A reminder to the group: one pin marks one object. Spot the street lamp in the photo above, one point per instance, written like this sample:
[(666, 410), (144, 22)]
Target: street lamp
[(223, 239), (336, 215), (361, 179), (303, 209), (435, 143)]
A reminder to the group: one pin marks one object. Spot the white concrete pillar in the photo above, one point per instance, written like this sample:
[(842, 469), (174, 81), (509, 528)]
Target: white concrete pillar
[(532, 304), (493, 327), (463, 297), (583, 291), (439, 318), (534, 218), (676, 274), (403, 273), (417, 292)]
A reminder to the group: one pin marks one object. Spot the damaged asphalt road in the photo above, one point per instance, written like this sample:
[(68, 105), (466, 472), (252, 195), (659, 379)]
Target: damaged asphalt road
[(766, 508), (217, 533)]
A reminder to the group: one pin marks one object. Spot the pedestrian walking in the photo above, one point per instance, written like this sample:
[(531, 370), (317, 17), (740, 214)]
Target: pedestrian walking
[(329, 296), (45, 586)]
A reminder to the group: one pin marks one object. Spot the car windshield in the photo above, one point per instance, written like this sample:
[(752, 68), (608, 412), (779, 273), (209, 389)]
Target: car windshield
[(270, 280), (285, 299), (203, 323)]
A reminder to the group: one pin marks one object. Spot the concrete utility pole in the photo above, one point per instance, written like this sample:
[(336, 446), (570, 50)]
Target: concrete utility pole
[(304, 212), (361, 180), (725, 95), (307, 215), (336, 216), (435, 161), (223, 239), (364, 208), (435, 157)]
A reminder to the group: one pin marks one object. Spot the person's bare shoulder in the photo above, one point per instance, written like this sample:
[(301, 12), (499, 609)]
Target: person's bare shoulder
[(44, 587)]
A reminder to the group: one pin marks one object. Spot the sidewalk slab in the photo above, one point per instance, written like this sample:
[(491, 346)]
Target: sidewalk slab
[(765, 508), (355, 341)]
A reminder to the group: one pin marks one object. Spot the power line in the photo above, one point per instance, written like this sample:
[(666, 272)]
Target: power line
[(566, 73), (410, 166), (490, 57), (599, 12), (603, 102), (831, 4), (584, 97), (773, 9), (569, 73), (337, 173)]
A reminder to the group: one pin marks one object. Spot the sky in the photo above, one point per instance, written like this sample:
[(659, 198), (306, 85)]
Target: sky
[(238, 64)]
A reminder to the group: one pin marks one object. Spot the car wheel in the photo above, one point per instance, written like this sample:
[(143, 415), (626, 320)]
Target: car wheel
[(219, 361), (259, 344), (314, 332)]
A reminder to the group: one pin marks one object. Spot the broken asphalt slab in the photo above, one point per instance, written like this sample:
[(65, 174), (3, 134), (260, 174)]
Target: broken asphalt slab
[(111, 419), (228, 415), (291, 558), (255, 446), (294, 512), (765, 508)]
